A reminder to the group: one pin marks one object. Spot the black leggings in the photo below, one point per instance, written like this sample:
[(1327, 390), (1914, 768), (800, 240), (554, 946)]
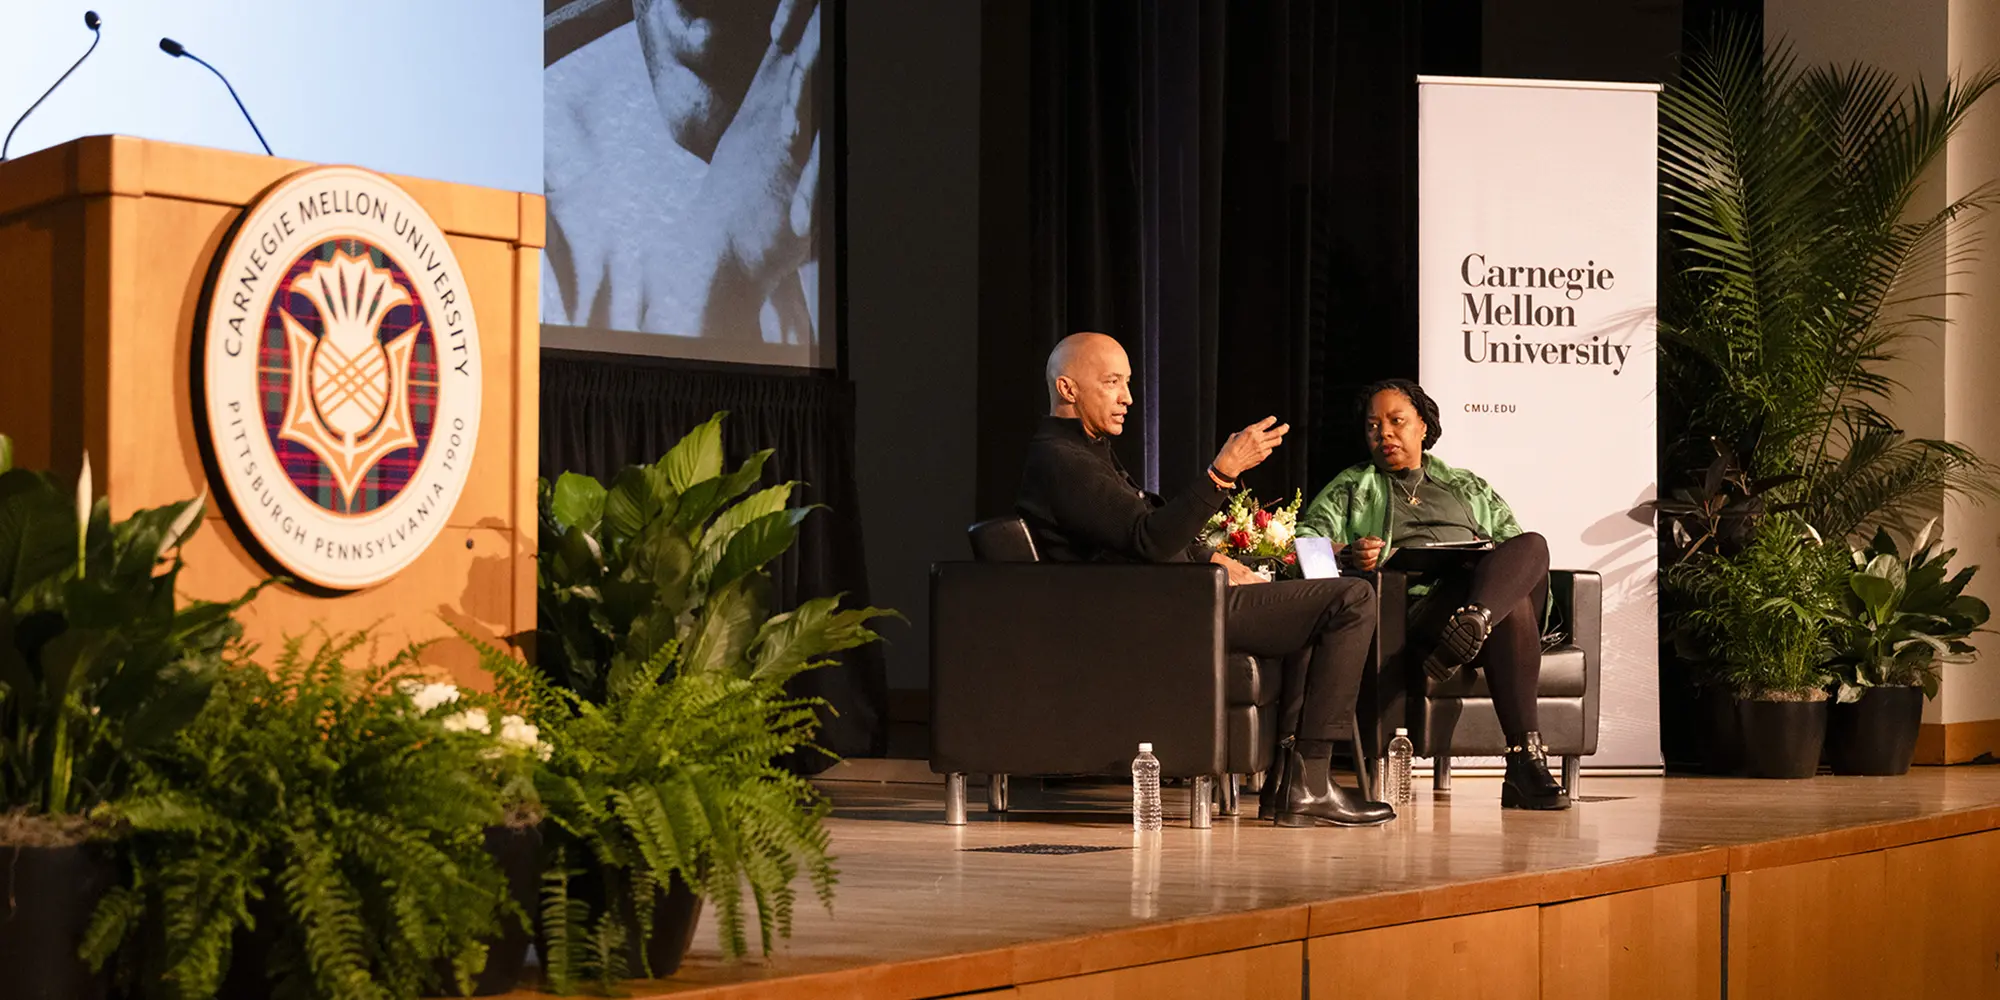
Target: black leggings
[(1512, 582)]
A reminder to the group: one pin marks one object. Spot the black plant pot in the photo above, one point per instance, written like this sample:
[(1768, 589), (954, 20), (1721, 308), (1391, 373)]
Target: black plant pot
[(517, 850), (676, 914), (1721, 732), (250, 951), (1876, 735), (46, 898), (1782, 739)]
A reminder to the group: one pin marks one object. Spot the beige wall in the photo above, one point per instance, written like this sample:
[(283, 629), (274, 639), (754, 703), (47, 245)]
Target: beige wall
[(1949, 377), (1972, 356)]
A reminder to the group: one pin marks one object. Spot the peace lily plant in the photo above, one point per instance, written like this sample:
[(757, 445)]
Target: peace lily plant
[(99, 663)]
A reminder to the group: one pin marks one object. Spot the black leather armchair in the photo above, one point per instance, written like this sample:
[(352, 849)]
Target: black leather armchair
[(1053, 669), (1456, 717)]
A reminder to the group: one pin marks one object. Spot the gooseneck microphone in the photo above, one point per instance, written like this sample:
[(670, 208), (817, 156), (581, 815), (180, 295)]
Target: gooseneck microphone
[(91, 21), (177, 50)]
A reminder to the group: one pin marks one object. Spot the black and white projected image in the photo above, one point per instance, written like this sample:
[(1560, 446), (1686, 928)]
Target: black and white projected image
[(682, 145)]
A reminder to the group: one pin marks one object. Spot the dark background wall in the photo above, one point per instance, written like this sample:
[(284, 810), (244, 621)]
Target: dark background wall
[(912, 218)]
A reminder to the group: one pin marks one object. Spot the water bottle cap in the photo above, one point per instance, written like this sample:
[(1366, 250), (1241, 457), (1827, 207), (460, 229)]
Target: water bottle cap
[(1145, 748), (1400, 731)]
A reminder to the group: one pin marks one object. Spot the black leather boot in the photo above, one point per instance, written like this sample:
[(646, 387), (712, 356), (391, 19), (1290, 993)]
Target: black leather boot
[(1528, 784), (1310, 796), (1273, 792), (1464, 635)]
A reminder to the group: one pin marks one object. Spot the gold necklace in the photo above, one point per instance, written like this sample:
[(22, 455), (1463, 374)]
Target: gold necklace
[(1410, 493)]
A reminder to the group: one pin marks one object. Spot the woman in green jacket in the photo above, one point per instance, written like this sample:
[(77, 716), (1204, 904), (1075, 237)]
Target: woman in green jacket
[(1487, 615)]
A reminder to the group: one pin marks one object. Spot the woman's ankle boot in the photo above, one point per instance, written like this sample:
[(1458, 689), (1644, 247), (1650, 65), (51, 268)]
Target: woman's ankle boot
[(1528, 784)]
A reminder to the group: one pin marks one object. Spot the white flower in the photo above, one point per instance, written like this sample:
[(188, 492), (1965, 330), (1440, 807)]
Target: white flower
[(471, 720), (1278, 533), (428, 696), (516, 733)]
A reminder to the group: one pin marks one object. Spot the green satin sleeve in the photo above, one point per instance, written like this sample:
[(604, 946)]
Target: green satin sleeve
[(1326, 515)]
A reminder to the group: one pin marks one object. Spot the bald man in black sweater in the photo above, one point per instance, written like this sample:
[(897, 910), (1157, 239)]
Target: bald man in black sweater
[(1081, 506)]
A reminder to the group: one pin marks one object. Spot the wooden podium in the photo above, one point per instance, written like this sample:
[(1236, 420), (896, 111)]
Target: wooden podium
[(106, 244)]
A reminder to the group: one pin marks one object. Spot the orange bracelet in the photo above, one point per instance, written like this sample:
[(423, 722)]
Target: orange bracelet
[(1220, 483)]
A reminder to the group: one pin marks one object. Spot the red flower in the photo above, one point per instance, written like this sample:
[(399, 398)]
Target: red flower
[(1262, 519), (1239, 539), (1291, 558)]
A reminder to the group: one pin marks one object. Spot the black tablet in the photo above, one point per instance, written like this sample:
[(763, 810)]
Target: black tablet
[(1435, 557)]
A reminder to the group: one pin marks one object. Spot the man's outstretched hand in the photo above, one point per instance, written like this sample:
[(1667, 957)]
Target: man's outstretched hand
[(1249, 447)]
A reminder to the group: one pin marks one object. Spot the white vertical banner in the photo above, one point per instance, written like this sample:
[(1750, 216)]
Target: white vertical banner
[(1538, 215)]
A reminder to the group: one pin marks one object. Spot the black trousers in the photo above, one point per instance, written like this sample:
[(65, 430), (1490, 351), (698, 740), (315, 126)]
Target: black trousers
[(1321, 628), (1512, 582)]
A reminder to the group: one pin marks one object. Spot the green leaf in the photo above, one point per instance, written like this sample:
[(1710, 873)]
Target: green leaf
[(1971, 609), (697, 505), (790, 642), (745, 476), (578, 501), (697, 456), (639, 496), (716, 540), (576, 560), (759, 542), (37, 534), (728, 624), (1876, 592)]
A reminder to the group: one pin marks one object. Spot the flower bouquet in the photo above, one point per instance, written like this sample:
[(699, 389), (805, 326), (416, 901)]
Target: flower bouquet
[(1256, 536)]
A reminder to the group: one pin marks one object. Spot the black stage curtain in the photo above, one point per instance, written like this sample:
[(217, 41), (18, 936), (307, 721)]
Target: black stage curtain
[(602, 413), (1228, 189)]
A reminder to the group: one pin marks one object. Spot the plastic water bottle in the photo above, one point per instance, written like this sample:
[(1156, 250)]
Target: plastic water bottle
[(1146, 814), (1397, 787)]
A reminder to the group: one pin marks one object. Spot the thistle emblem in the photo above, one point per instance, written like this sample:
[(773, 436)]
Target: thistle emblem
[(349, 401)]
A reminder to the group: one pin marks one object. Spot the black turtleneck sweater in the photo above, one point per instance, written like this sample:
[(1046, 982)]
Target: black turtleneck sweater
[(1081, 505)]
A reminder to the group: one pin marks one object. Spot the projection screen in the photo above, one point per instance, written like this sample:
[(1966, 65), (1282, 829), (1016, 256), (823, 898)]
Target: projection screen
[(688, 212)]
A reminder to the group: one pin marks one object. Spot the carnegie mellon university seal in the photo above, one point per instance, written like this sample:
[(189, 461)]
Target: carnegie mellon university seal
[(339, 364)]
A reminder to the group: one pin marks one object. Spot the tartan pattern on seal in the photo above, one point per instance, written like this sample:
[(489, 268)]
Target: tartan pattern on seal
[(392, 473)]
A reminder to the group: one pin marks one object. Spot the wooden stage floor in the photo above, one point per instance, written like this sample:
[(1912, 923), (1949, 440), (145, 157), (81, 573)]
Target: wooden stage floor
[(923, 911)]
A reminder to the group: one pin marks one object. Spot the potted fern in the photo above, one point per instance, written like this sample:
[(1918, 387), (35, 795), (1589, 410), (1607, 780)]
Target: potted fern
[(1768, 610), (315, 833), (100, 668), (659, 683), (1902, 617), (509, 765)]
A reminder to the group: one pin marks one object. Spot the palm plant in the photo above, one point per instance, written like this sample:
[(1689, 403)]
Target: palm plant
[(1767, 610), (1802, 266)]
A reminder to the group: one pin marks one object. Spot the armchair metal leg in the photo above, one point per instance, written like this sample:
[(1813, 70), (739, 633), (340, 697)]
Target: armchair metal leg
[(1257, 779), (954, 798), (1572, 773), (1231, 794), (1201, 793), (1441, 773), (996, 793), (1362, 765)]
